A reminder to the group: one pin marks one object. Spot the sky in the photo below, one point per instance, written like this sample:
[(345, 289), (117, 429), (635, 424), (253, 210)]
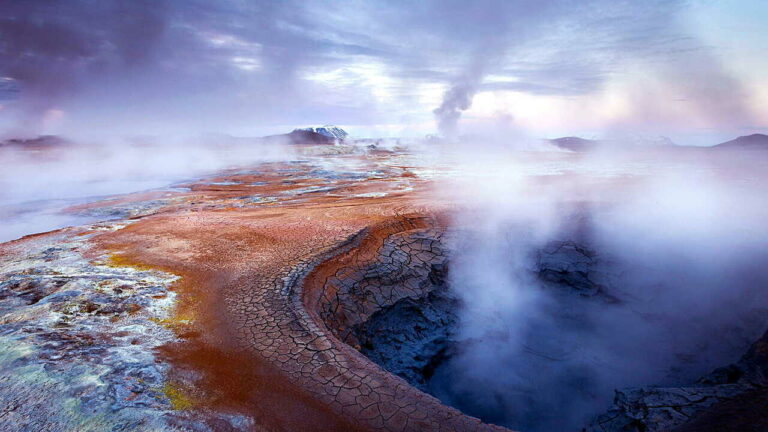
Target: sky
[(687, 69)]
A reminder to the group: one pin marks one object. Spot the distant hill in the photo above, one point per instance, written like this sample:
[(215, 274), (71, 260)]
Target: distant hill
[(311, 135), (329, 131), (750, 142), (39, 143), (575, 144)]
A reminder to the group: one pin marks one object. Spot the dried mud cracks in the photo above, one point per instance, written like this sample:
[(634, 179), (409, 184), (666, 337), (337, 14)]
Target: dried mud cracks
[(270, 285)]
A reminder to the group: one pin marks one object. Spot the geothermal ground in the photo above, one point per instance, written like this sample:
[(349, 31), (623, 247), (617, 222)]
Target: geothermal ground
[(325, 293)]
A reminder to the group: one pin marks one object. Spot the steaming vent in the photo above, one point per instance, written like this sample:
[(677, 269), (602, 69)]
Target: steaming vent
[(402, 308)]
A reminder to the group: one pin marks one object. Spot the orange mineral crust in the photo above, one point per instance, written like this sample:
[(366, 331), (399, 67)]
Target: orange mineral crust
[(251, 338)]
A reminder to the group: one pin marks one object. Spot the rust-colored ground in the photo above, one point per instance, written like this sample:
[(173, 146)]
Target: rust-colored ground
[(251, 341)]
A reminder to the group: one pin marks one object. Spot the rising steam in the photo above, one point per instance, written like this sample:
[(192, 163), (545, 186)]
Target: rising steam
[(457, 99), (680, 253)]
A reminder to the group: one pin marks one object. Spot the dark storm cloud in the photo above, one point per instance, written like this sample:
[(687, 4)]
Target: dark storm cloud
[(146, 55), (48, 45), (50, 49)]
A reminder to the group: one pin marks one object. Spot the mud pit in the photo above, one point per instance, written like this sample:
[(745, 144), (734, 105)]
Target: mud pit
[(396, 307)]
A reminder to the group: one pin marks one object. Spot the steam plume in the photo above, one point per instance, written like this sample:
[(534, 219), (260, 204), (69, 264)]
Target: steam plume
[(680, 280)]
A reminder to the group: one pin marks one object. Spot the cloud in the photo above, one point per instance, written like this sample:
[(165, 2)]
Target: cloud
[(231, 66), (9, 89)]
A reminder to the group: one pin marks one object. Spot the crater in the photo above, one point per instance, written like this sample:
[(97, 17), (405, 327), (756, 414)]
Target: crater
[(391, 298), (392, 303)]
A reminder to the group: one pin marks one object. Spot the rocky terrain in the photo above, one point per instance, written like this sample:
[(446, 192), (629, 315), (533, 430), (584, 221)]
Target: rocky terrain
[(731, 398), (300, 295), (310, 135), (154, 314)]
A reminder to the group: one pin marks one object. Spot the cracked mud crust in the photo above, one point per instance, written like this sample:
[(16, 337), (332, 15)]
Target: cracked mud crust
[(210, 309), (253, 280)]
